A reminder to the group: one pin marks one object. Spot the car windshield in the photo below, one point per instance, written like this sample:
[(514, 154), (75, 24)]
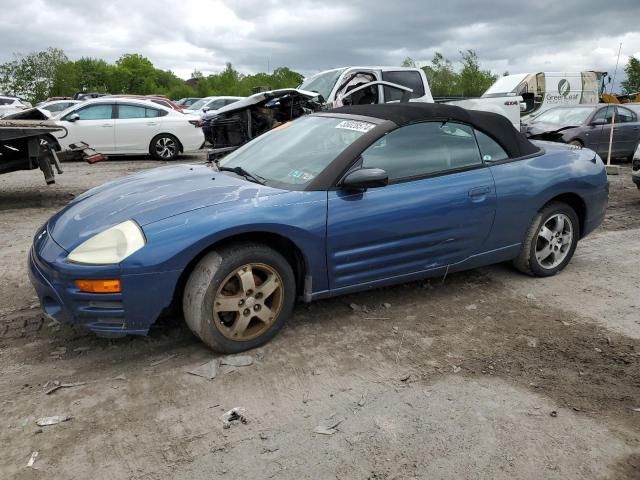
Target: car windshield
[(322, 82), (565, 116), (294, 153), (199, 104)]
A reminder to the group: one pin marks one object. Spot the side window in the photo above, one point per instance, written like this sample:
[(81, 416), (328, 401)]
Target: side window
[(490, 150), (230, 101), (606, 113), (216, 104), (153, 113), (96, 112), (406, 78), (624, 116), (423, 149), (131, 111)]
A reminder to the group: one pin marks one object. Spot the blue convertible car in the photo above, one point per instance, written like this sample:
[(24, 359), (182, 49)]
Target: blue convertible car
[(332, 203)]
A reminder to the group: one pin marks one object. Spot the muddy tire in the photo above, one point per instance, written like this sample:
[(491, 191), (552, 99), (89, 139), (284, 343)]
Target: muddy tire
[(550, 241), (239, 297), (164, 147)]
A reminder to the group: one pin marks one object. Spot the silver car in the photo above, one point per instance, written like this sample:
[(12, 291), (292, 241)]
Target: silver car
[(590, 126)]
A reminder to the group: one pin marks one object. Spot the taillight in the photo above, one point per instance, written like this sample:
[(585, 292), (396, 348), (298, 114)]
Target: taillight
[(196, 123)]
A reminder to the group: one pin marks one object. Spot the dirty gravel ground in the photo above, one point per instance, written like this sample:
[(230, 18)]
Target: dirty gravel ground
[(487, 375)]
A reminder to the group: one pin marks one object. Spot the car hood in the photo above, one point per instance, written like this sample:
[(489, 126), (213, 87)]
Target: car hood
[(147, 197), (541, 128), (257, 98), (29, 114)]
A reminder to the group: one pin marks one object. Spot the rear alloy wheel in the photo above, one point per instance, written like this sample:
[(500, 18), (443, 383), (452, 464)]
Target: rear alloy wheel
[(164, 147), (239, 297), (551, 241)]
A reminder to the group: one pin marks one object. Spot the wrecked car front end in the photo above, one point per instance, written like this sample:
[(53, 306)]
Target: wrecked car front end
[(234, 125)]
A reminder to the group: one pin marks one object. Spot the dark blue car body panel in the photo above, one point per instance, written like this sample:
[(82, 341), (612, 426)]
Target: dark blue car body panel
[(348, 241)]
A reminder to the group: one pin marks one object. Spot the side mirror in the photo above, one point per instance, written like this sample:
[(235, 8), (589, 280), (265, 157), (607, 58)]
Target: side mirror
[(598, 122), (73, 117), (206, 109), (364, 178)]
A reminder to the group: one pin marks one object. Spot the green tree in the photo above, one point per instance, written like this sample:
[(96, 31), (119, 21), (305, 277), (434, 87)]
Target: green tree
[(140, 73), (472, 80), (32, 75), (632, 83), (443, 80)]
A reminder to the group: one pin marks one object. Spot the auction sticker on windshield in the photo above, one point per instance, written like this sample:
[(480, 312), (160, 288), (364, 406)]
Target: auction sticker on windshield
[(355, 125)]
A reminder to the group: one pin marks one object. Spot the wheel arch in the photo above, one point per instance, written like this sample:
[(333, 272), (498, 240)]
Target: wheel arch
[(283, 245), (180, 147), (576, 202)]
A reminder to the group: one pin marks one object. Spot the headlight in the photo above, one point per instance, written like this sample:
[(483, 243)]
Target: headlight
[(111, 246)]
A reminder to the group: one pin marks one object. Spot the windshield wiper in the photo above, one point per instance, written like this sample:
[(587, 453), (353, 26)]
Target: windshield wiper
[(243, 173)]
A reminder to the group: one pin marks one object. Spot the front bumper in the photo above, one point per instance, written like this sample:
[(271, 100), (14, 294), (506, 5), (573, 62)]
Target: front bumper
[(131, 312)]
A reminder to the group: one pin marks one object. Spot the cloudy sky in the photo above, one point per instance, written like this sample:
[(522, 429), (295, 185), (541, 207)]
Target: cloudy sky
[(308, 36)]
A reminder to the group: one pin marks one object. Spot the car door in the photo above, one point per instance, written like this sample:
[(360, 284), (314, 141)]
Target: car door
[(352, 80), (135, 127), (597, 135), (627, 131), (92, 124), (437, 210)]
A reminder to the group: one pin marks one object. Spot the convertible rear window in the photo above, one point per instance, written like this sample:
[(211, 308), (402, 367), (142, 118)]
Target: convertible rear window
[(296, 152), (489, 148)]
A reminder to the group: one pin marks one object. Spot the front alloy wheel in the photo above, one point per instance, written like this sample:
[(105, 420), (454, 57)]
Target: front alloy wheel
[(239, 296), (248, 301)]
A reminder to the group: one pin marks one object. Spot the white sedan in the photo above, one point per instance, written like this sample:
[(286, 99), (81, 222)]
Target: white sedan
[(122, 126)]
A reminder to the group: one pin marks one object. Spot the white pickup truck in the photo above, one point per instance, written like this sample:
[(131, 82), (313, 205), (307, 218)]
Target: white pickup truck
[(356, 85)]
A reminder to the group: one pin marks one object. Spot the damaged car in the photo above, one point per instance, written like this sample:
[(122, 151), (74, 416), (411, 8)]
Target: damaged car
[(234, 125), (589, 126), (336, 202)]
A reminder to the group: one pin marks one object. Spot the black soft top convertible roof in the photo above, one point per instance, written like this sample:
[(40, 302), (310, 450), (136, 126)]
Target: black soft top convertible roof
[(496, 126)]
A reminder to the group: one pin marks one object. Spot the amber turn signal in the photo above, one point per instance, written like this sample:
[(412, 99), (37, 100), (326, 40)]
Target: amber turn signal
[(98, 286)]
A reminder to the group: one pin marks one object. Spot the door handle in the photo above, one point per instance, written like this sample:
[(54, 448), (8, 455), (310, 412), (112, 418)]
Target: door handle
[(152, 124), (107, 125), (479, 194)]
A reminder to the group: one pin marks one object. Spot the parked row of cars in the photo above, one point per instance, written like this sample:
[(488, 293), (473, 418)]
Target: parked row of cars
[(122, 124)]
